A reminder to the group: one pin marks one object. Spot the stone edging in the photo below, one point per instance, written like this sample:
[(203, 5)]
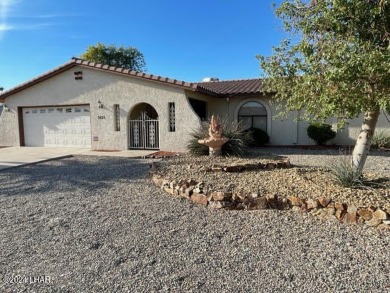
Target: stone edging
[(321, 207)]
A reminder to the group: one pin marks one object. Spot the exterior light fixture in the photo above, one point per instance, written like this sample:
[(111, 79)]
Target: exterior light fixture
[(100, 104)]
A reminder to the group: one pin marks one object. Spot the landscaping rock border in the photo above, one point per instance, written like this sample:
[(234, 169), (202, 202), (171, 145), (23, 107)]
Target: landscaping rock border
[(322, 207)]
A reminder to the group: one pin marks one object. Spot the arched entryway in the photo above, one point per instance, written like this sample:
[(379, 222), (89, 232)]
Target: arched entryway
[(144, 128)]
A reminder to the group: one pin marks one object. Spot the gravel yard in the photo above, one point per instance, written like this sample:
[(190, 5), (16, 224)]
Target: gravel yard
[(97, 224)]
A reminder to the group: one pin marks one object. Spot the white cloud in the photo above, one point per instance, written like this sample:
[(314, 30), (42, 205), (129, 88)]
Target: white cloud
[(5, 27), (5, 6)]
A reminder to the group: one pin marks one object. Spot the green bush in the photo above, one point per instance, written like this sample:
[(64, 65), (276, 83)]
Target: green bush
[(237, 145), (320, 132), (258, 137), (381, 140)]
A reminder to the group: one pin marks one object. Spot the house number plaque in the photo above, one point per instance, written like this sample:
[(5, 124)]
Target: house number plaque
[(101, 117)]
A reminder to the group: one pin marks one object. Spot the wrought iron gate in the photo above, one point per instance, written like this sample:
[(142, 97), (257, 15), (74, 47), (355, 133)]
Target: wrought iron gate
[(144, 133)]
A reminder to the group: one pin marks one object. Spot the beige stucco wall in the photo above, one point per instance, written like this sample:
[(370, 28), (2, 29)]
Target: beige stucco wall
[(290, 130), (110, 89)]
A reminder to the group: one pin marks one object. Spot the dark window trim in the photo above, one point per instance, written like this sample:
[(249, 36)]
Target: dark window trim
[(117, 118), (172, 116)]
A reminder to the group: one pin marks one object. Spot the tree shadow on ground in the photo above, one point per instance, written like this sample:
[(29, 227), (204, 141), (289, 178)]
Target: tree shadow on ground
[(70, 174), (331, 151), (377, 183)]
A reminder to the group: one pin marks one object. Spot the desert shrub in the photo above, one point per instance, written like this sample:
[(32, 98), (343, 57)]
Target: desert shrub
[(237, 145), (258, 137), (345, 173), (381, 140), (320, 132)]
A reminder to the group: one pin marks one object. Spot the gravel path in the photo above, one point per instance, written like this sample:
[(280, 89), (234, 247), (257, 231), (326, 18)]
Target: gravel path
[(94, 224)]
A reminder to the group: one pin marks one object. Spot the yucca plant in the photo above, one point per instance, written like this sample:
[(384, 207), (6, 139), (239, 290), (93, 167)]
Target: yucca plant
[(345, 173), (236, 146)]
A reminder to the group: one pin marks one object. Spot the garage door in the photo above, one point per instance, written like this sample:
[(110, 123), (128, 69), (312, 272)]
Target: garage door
[(57, 126)]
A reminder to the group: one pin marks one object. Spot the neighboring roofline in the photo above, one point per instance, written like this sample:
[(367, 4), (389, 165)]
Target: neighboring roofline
[(101, 67)]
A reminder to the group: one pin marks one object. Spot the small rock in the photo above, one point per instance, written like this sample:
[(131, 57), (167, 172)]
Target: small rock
[(312, 204), (330, 211), (199, 198), (261, 203), (365, 214), (218, 195), (340, 214), (220, 204), (295, 201), (349, 218), (379, 214), (374, 222), (384, 227), (168, 190), (339, 206), (241, 196), (324, 201), (352, 209)]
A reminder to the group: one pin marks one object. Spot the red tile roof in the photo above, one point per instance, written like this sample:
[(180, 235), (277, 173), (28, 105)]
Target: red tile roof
[(215, 88), (83, 63), (232, 87)]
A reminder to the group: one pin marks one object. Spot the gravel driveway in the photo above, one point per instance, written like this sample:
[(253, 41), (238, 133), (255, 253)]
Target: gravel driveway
[(96, 224)]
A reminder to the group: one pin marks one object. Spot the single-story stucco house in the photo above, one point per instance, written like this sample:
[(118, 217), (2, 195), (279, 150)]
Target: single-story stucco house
[(84, 104)]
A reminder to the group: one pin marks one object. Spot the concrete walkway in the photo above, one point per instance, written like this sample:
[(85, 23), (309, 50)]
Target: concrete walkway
[(19, 156)]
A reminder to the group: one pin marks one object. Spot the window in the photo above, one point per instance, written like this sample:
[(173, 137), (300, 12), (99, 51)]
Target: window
[(68, 110), (42, 111), (117, 117), (34, 111), (200, 108), (253, 115), (60, 110), (172, 118), (77, 110), (50, 111)]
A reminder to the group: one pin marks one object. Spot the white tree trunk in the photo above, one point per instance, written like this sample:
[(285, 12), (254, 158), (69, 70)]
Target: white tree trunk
[(363, 143)]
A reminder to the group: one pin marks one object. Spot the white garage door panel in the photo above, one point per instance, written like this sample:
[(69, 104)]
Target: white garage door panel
[(57, 126)]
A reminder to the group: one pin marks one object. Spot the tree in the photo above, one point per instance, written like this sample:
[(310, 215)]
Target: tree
[(125, 57), (337, 66)]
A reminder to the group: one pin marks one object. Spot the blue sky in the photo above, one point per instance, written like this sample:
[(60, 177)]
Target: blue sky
[(186, 40)]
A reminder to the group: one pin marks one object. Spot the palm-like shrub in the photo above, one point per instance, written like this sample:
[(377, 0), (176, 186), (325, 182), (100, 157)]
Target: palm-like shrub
[(236, 146)]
